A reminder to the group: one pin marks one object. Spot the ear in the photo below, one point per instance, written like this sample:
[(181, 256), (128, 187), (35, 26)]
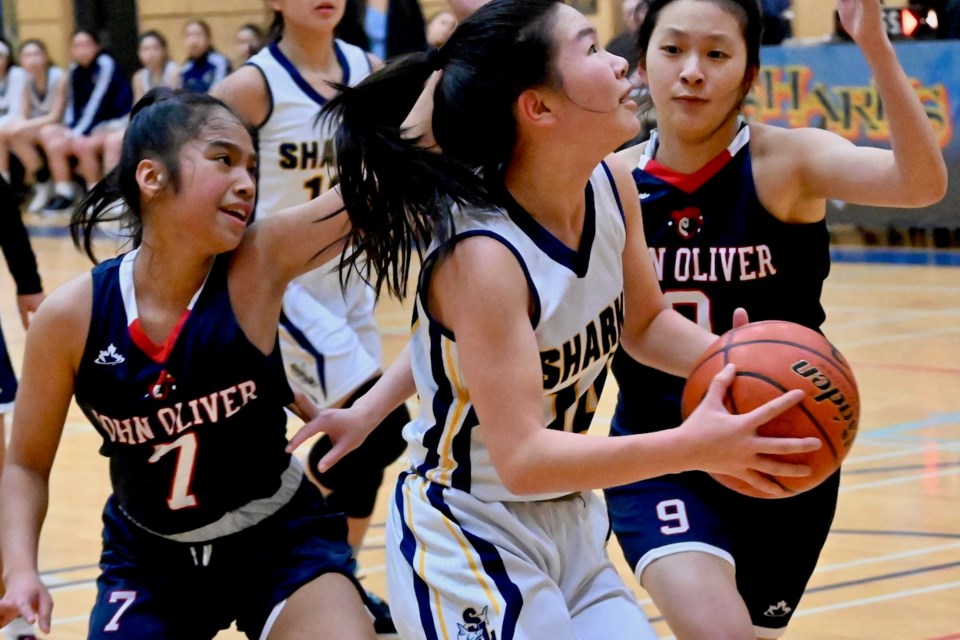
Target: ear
[(152, 177), (532, 107)]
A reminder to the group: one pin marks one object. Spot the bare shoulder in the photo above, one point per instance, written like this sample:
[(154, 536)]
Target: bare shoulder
[(770, 142), (245, 91), (63, 317)]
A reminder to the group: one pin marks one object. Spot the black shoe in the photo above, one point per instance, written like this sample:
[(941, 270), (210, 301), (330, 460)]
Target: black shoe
[(382, 620), (58, 204)]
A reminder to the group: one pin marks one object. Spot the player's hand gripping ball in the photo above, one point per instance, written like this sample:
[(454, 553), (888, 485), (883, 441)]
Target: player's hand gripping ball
[(772, 358)]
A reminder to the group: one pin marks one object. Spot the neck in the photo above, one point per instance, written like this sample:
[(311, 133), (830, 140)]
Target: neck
[(550, 187), (685, 154), (308, 50), (168, 273)]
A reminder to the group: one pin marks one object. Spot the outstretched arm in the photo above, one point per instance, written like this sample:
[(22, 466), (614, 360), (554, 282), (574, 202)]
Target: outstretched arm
[(54, 344), (913, 173)]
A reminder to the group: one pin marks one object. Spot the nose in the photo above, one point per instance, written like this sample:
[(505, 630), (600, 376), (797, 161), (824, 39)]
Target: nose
[(620, 66), (246, 185), (691, 73)]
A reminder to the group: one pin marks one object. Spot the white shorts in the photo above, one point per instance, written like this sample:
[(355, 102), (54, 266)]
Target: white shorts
[(462, 568), (328, 337)]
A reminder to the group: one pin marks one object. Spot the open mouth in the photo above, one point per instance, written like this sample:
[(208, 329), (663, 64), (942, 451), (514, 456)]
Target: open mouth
[(236, 212)]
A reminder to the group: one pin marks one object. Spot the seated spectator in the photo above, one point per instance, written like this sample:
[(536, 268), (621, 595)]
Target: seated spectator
[(44, 101), (205, 66), (249, 39), (440, 28), (100, 99), (157, 70), (12, 82), (385, 28)]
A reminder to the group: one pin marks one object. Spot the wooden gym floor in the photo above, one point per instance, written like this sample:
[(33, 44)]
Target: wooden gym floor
[(891, 567)]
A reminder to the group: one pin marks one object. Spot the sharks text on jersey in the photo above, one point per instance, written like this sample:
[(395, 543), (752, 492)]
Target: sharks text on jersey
[(596, 341)]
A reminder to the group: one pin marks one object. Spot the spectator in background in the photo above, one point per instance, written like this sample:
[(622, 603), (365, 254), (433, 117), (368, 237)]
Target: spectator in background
[(248, 40), (100, 99), (385, 28), (440, 27), (44, 100), (205, 66), (158, 70), (13, 79), (776, 21)]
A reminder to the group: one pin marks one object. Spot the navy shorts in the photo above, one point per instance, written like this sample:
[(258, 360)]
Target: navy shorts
[(8, 381), (774, 544), (152, 588)]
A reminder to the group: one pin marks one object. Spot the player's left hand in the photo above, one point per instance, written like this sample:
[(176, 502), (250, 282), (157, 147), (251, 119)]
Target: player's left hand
[(347, 428), (862, 20)]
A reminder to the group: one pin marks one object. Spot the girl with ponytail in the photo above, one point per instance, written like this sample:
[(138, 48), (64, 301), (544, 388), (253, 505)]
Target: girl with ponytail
[(536, 270), (171, 352)]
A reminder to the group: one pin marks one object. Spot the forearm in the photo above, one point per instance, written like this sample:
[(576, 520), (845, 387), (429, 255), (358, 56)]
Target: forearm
[(24, 498), (390, 391), (917, 156), (558, 461), (670, 343), (15, 243)]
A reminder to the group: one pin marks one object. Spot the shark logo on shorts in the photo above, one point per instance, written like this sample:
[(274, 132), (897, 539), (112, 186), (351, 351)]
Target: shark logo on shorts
[(778, 610), (474, 626)]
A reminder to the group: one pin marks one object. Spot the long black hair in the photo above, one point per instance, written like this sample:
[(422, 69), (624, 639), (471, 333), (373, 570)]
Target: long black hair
[(160, 124), (399, 194)]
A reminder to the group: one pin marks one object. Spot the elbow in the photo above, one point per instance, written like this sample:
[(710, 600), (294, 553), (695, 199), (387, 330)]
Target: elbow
[(928, 188), (519, 478)]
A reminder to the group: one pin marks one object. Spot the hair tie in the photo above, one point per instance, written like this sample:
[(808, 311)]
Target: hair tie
[(435, 58)]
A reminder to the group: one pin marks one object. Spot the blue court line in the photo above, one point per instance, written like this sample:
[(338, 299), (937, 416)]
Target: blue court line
[(874, 255), (899, 534), (905, 467), (934, 420), (883, 576)]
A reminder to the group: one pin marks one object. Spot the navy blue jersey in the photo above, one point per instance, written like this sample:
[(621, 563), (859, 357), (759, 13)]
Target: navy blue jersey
[(204, 72), (194, 427), (98, 93), (716, 248)]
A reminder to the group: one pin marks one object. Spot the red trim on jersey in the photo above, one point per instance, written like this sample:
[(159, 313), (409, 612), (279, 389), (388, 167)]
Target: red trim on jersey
[(689, 182), (157, 353)]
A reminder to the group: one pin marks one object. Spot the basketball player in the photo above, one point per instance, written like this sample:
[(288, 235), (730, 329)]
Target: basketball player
[(734, 217), (171, 352), (528, 286), (328, 334), (22, 264)]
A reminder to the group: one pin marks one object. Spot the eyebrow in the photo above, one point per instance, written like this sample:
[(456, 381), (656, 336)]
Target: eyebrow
[(673, 31), (587, 32), (233, 147)]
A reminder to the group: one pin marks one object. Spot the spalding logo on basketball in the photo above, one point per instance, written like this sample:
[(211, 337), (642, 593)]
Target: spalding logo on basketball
[(773, 357)]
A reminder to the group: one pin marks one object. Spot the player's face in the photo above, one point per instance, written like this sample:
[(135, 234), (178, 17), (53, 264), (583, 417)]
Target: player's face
[(151, 53), (695, 67), (217, 183), (195, 40), (319, 14), (84, 49), (593, 80), (32, 58)]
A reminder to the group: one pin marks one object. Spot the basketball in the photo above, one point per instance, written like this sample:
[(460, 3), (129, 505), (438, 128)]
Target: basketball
[(771, 358)]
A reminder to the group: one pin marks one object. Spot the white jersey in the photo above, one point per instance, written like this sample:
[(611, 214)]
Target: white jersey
[(296, 152), (578, 314), (328, 335), (11, 93), (40, 104)]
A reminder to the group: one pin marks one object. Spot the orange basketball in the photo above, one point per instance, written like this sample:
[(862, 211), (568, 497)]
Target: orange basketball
[(772, 358)]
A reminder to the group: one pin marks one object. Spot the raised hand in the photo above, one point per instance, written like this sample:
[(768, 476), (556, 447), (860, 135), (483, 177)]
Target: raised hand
[(862, 20)]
